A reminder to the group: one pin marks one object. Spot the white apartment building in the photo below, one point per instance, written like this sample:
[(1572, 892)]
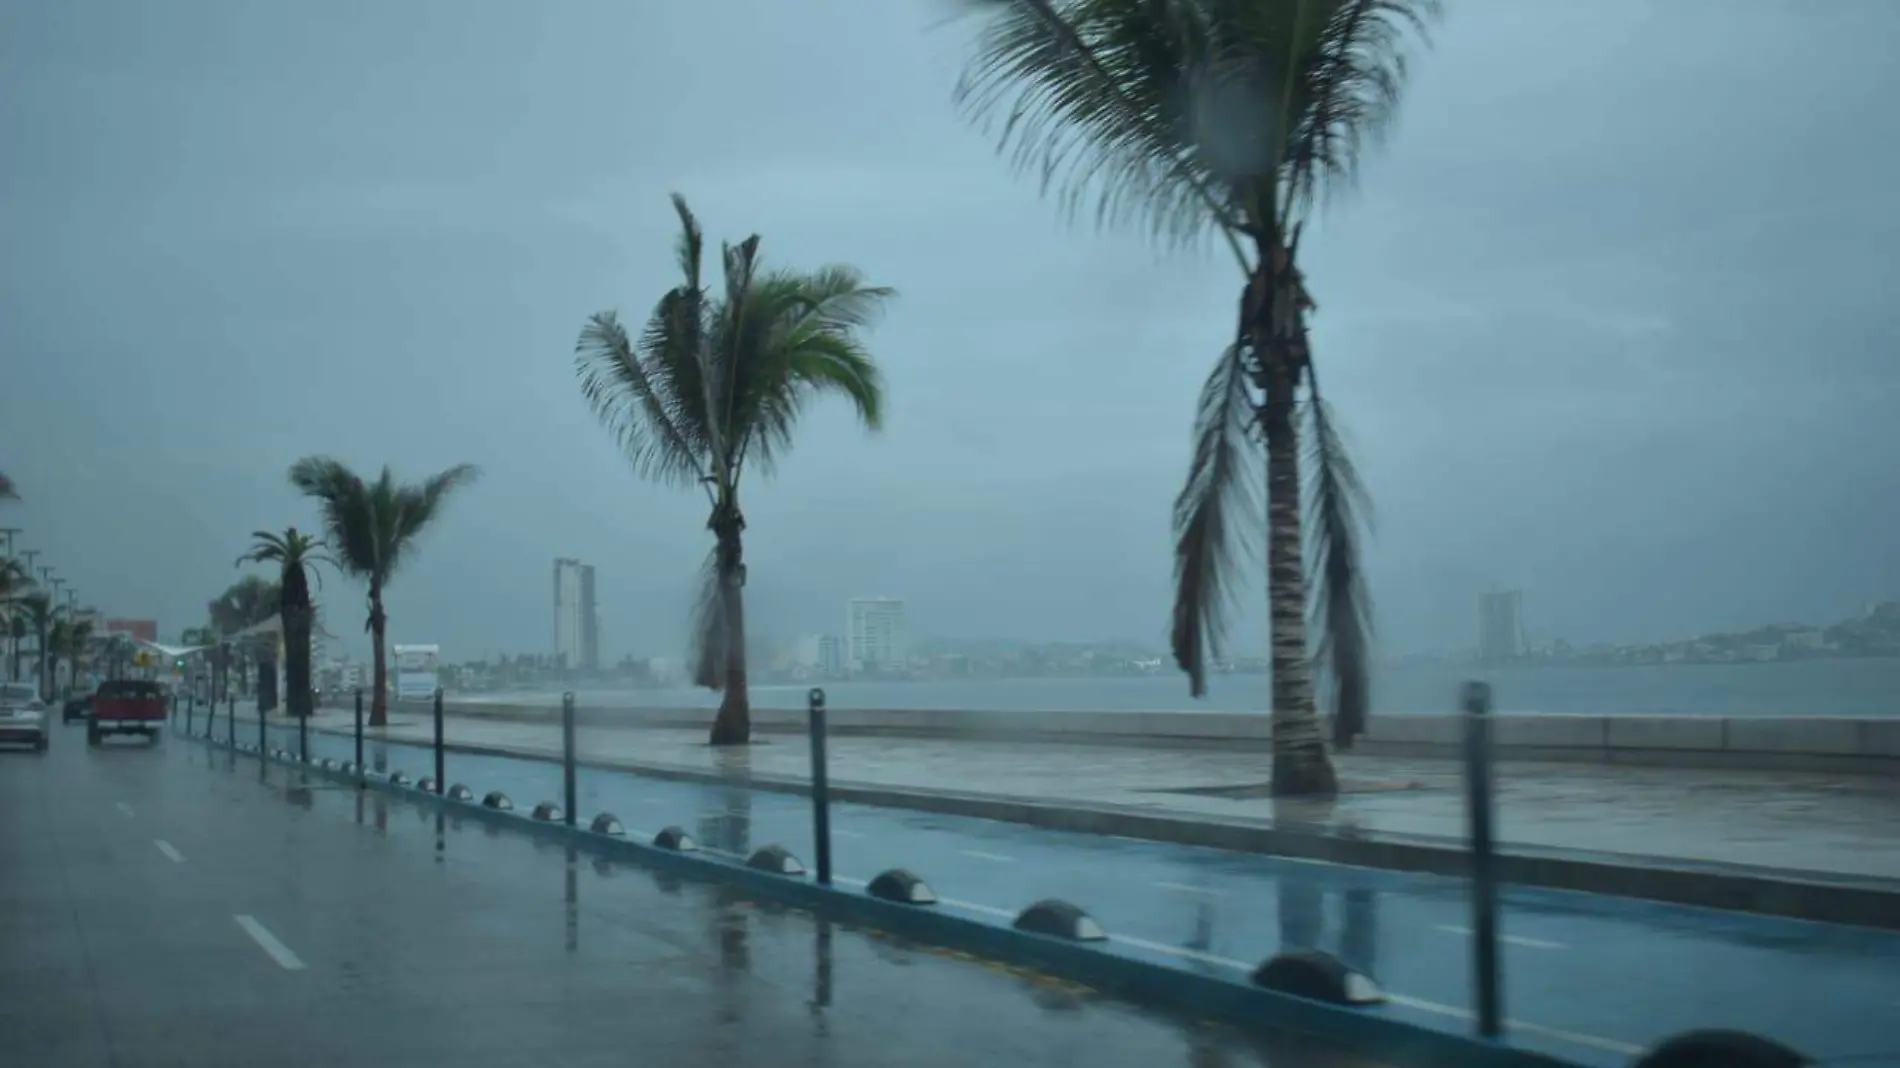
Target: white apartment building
[(576, 626), (877, 634)]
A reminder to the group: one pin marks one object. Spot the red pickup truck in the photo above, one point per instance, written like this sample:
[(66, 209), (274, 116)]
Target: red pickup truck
[(127, 706)]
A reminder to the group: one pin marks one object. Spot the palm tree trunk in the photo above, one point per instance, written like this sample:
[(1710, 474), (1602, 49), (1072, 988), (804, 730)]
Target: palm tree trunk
[(733, 725), (297, 660), (379, 658), (1301, 767), (46, 687)]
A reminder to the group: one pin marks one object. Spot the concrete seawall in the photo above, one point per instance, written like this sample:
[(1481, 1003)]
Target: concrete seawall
[(1862, 746)]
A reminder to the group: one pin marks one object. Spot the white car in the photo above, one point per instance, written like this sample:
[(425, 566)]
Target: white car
[(22, 715)]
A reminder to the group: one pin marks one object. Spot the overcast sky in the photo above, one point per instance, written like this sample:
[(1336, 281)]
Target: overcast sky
[(1609, 319)]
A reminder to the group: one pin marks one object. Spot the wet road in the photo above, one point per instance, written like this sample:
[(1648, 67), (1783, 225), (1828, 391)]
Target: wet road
[(180, 906), (1587, 977)]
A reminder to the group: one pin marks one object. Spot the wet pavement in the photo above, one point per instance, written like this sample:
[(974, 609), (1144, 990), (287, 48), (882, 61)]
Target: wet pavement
[(1589, 977), (1803, 822), (178, 906)]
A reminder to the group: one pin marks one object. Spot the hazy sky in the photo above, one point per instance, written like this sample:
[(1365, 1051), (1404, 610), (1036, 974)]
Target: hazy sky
[(1609, 319)]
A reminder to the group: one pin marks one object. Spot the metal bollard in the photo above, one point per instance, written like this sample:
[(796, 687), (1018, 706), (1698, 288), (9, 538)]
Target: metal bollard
[(303, 733), (1476, 700), (230, 719), (190, 702), (439, 777), (820, 785), (359, 735), (567, 754), (263, 740)]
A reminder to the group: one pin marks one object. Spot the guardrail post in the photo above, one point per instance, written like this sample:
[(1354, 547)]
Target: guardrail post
[(359, 736), (438, 740), (1484, 887), (567, 755), (820, 785)]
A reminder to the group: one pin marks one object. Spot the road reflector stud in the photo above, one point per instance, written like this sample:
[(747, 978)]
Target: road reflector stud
[(775, 859), (1059, 919), (498, 801), (1729, 1049), (329, 764), (607, 823), (347, 768), (548, 812), (1318, 976), (901, 886), (426, 784), (397, 778), (458, 792), (675, 839)]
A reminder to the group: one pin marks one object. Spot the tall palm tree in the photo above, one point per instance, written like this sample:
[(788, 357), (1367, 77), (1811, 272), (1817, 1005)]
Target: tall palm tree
[(40, 616), (1231, 117), (296, 556), (717, 381), (372, 527), (15, 581)]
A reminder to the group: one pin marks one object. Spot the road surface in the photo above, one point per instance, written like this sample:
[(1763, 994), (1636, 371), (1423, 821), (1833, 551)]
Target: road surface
[(1587, 977), (176, 906)]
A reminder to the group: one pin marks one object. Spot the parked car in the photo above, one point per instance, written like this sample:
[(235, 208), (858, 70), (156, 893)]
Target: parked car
[(127, 706), (23, 715), (76, 709)]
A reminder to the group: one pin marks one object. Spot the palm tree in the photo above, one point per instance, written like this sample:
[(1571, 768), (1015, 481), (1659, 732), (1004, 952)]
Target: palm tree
[(8, 491), (14, 582), (1231, 117), (372, 527), (244, 604), (296, 556), (717, 381), (72, 645), (40, 615)]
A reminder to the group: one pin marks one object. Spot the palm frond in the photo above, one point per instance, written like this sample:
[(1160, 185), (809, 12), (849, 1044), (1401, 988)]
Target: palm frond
[(802, 340), (1337, 511), (1350, 89), (1091, 96), (349, 513), (709, 636), (1215, 516), (8, 491), (628, 396), (416, 506)]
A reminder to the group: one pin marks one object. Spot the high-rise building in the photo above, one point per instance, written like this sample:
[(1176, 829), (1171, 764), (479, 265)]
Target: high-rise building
[(576, 624), (1500, 626), (877, 635)]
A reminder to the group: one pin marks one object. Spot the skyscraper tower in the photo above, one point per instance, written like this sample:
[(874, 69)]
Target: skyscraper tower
[(576, 622)]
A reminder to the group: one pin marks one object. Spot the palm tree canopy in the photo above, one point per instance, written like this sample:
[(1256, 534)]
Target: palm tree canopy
[(245, 603), (369, 526), (717, 379), (296, 554), (1236, 114), (8, 491)]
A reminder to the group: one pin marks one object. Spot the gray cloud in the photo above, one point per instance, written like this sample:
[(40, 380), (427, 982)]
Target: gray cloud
[(1608, 319)]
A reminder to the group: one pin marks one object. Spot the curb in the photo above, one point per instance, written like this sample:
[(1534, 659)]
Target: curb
[(1800, 895), (1366, 1030)]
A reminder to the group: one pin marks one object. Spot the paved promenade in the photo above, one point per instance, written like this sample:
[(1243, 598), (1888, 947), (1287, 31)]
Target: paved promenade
[(1834, 824)]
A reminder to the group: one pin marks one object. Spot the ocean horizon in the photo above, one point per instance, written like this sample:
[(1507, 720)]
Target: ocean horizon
[(1862, 687)]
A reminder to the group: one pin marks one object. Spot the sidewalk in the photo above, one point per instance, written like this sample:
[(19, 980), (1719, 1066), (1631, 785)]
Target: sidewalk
[(1817, 823)]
